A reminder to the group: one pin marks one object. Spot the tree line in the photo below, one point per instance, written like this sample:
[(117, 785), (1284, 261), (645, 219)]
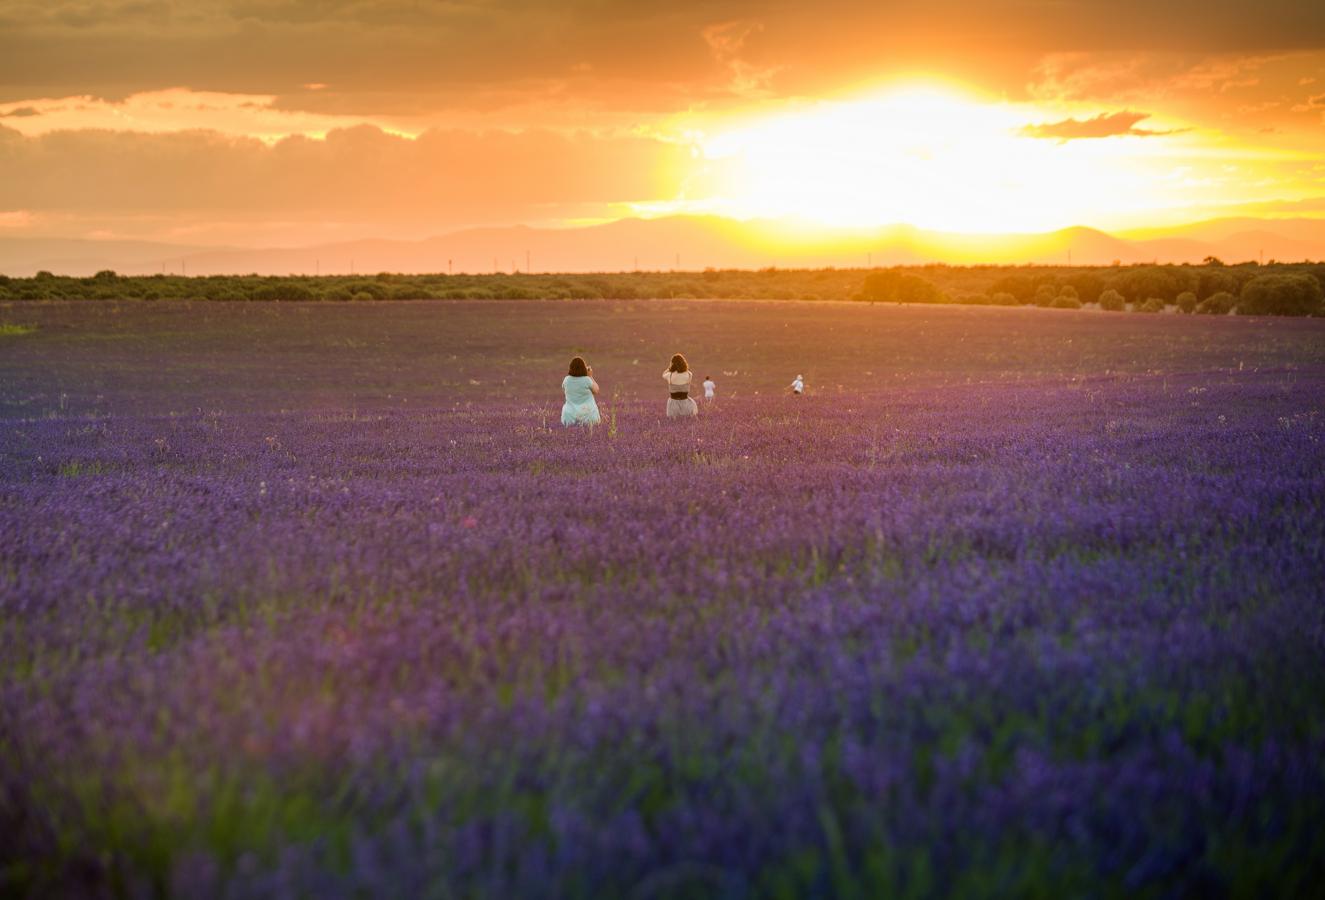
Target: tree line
[(1213, 288)]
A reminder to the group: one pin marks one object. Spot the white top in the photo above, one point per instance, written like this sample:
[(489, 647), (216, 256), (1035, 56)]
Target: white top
[(678, 379), (798, 385), (708, 387)]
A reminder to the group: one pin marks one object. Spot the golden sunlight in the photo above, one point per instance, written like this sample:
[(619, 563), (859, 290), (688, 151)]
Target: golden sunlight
[(936, 158)]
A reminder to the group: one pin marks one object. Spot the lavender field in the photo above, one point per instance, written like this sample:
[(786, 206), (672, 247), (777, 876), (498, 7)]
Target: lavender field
[(321, 601)]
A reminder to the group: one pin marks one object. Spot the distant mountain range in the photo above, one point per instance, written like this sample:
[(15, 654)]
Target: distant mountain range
[(679, 242)]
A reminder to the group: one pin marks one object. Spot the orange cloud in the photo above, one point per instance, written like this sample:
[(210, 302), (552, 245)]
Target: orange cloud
[(727, 41), (1101, 126), (450, 53), (382, 182), (1088, 76), (174, 109)]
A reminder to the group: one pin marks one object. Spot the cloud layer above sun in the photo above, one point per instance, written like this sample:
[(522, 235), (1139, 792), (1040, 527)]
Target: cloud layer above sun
[(250, 122)]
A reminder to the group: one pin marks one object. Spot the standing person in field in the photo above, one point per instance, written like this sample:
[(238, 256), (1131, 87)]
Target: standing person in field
[(709, 387), (580, 407), (798, 386), (678, 377)]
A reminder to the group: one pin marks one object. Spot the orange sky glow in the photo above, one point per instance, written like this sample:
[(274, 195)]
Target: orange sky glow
[(294, 122)]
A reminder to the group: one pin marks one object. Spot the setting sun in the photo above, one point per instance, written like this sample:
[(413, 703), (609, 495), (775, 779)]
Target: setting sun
[(930, 157)]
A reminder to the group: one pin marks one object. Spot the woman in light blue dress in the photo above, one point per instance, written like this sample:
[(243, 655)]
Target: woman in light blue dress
[(580, 407)]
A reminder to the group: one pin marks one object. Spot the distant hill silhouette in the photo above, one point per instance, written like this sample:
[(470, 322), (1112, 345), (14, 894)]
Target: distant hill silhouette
[(685, 242)]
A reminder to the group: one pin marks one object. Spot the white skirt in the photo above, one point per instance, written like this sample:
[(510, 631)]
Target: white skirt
[(679, 409)]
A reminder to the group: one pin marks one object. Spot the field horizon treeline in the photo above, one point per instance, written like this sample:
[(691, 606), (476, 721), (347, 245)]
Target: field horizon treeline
[(1212, 288)]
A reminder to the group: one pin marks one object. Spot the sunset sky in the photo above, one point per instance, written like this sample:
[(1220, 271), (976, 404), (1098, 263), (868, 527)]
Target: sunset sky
[(263, 123)]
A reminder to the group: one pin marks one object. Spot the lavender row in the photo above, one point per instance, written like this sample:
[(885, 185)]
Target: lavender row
[(1060, 636)]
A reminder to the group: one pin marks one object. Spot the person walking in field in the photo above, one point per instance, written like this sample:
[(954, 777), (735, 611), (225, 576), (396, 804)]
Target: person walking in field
[(678, 376), (798, 386), (580, 407), (709, 387)]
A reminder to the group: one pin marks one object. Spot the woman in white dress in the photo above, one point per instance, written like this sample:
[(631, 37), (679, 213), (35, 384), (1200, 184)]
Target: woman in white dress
[(580, 407), (678, 377)]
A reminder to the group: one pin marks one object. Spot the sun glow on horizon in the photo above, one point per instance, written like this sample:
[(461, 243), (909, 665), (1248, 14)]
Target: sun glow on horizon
[(935, 158)]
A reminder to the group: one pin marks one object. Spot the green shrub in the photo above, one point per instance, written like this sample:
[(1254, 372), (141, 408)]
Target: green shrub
[(1112, 301), (1186, 302), (1066, 301), (1085, 282), (376, 290), (900, 287), (1218, 304), (287, 291), (1003, 298), (409, 292), (1164, 282), (1020, 287), (1281, 295), (1152, 305), (1214, 279)]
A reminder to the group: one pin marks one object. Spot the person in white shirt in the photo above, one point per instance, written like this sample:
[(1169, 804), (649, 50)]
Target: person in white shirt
[(798, 386), (680, 405), (709, 387)]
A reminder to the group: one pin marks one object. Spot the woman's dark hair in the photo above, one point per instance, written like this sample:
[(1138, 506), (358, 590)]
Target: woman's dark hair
[(679, 364), (578, 368)]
